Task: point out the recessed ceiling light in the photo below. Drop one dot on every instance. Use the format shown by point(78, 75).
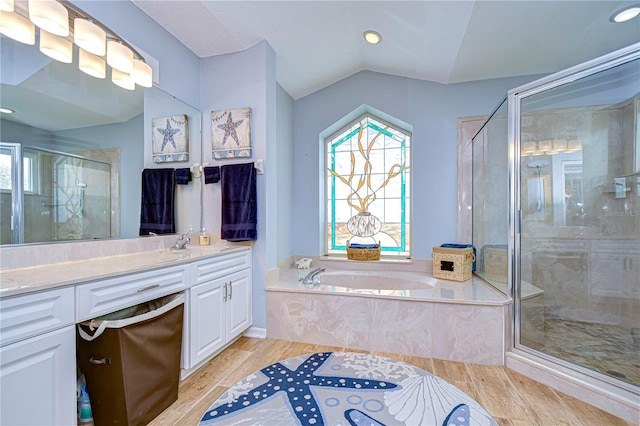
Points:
point(4, 110)
point(625, 14)
point(372, 37)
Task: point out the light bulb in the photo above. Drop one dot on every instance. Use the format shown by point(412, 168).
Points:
point(372, 37)
point(56, 47)
point(122, 79)
point(17, 27)
point(6, 5)
point(50, 16)
point(91, 64)
point(89, 36)
point(142, 73)
point(119, 56)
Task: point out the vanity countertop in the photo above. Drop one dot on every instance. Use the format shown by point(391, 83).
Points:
point(36, 278)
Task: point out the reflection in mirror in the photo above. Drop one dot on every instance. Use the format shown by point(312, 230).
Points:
point(74, 204)
point(58, 109)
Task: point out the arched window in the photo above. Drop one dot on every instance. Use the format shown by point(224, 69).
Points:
point(368, 186)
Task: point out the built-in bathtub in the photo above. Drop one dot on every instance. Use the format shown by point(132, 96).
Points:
point(390, 310)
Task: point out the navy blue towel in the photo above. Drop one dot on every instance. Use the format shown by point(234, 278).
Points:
point(183, 176)
point(363, 246)
point(157, 207)
point(239, 208)
point(211, 174)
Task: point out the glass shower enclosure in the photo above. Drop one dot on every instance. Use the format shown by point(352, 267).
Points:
point(52, 196)
point(556, 217)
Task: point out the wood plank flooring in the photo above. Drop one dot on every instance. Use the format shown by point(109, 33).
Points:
point(511, 398)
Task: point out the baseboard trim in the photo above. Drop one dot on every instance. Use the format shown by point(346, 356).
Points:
point(619, 402)
point(256, 332)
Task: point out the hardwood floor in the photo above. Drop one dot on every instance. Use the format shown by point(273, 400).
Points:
point(511, 398)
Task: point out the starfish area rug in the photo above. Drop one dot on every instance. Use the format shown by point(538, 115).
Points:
point(344, 388)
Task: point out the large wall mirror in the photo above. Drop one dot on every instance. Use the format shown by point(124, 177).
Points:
point(77, 145)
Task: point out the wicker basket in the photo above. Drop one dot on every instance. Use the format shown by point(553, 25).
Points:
point(363, 253)
point(452, 263)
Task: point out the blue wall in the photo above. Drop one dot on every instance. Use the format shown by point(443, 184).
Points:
point(431, 108)
point(285, 173)
point(238, 80)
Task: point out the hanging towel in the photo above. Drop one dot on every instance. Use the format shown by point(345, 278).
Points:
point(183, 176)
point(239, 210)
point(156, 212)
point(211, 174)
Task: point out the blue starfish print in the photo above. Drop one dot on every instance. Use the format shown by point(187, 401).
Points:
point(296, 385)
point(230, 129)
point(168, 134)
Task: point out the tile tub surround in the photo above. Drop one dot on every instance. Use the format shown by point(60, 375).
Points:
point(412, 314)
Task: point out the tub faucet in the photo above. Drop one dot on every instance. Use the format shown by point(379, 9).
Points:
point(181, 242)
point(308, 279)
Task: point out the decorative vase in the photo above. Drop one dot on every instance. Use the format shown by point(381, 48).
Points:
point(364, 224)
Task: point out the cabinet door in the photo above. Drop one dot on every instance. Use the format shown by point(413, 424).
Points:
point(38, 378)
point(207, 332)
point(238, 305)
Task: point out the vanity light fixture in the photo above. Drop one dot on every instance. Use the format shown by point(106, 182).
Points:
point(6, 5)
point(57, 36)
point(372, 37)
point(550, 147)
point(625, 14)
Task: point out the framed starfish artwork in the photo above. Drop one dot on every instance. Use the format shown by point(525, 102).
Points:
point(231, 133)
point(170, 138)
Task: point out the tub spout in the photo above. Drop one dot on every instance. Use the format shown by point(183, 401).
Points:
point(308, 279)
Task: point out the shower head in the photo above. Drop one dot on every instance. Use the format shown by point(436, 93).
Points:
point(538, 164)
point(82, 185)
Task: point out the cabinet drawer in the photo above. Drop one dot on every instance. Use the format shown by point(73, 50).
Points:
point(29, 315)
point(219, 266)
point(110, 295)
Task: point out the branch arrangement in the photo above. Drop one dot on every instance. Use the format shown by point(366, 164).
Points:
point(365, 200)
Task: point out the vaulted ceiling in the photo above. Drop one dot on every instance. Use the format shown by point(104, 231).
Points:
point(320, 42)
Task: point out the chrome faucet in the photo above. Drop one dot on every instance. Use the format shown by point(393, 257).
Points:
point(181, 242)
point(308, 279)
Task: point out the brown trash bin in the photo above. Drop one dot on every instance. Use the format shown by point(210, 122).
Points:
point(132, 365)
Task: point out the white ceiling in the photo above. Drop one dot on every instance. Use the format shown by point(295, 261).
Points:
point(320, 42)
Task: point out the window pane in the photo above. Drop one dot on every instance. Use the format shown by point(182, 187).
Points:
point(367, 161)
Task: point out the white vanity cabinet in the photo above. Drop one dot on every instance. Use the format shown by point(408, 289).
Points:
point(219, 307)
point(37, 359)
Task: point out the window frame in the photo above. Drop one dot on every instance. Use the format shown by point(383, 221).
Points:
point(405, 249)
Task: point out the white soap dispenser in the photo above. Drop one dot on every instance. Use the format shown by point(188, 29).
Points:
point(204, 237)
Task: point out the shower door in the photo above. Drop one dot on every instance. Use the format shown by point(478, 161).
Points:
point(578, 218)
point(11, 193)
point(52, 196)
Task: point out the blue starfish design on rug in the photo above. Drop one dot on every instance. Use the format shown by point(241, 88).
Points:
point(230, 129)
point(296, 384)
point(168, 134)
